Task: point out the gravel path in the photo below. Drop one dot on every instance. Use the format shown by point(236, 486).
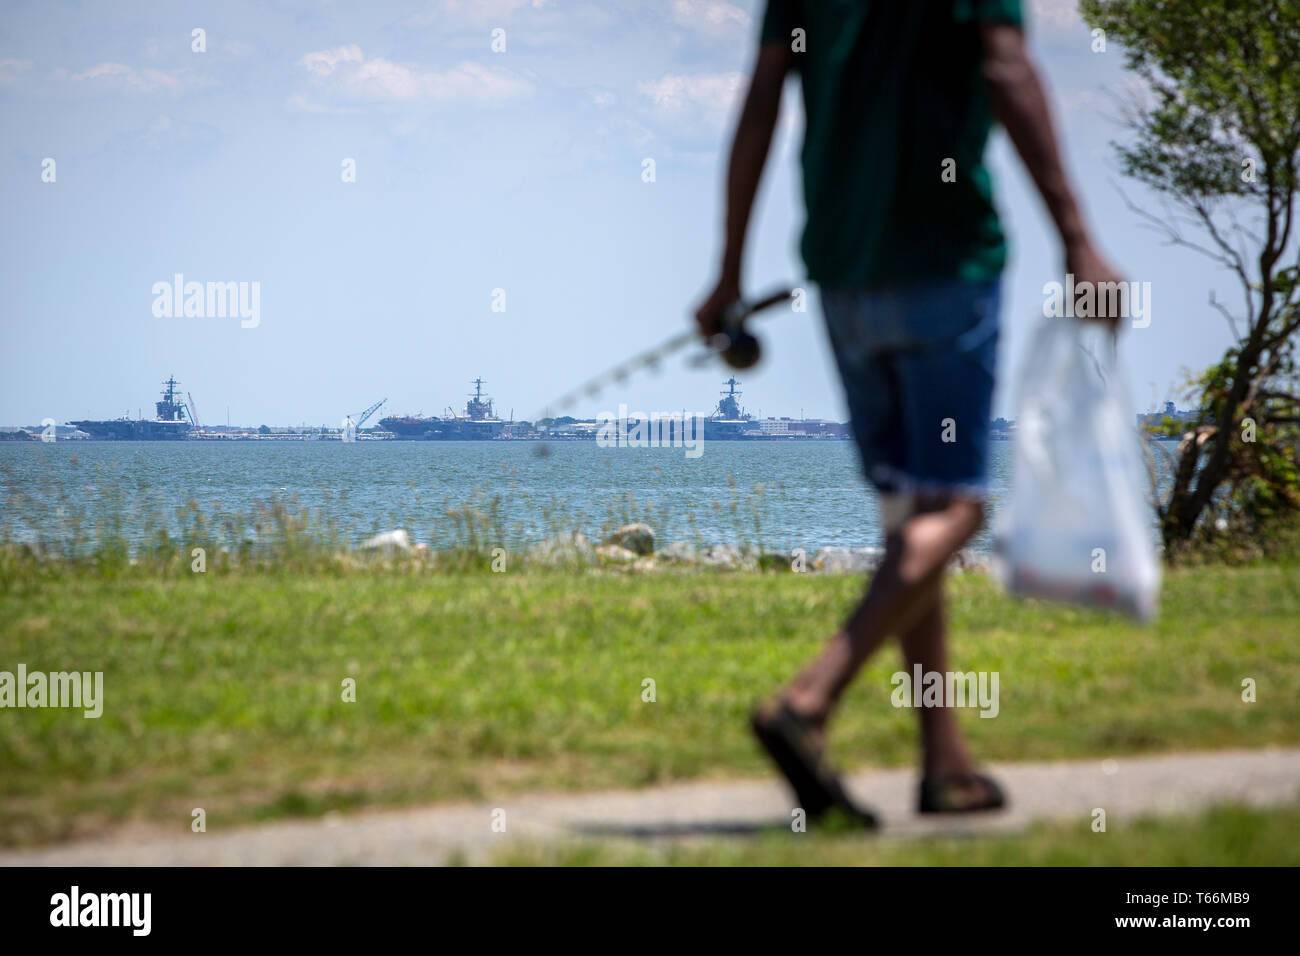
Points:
point(1124, 788)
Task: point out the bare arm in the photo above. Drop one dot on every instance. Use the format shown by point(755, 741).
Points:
point(1020, 105)
point(749, 151)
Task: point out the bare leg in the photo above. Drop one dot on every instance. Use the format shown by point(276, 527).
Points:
point(903, 599)
point(944, 752)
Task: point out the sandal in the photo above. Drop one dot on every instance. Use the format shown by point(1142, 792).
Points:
point(948, 794)
point(789, 741)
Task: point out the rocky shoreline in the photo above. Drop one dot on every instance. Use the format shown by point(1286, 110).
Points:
point(633, 548)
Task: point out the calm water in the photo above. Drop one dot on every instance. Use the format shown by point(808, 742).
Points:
point(804, 494)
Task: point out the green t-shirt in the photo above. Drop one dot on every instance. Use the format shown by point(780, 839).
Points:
point(892, 89)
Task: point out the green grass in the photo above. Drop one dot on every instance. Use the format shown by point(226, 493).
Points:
point(1223, 836)
point(223, 691)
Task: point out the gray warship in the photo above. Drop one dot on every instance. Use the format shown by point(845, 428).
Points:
point(171, 423)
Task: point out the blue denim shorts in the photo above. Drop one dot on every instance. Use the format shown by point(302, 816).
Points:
point(917, 362)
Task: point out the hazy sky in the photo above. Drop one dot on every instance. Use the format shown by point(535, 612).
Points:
point(475, 170)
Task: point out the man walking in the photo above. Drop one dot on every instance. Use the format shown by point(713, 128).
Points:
point(905, 245)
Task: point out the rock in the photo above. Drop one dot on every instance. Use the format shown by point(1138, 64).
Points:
point(847, 560)
point(722, 556)
point(638, 538)
point(968, 560)
point(31, 551)
point(646, 564)
point(569, 548)
point(679, 552)
point(614, 554)
point(388, 544)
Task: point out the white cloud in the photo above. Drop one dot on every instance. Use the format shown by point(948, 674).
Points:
point(301, 103)
point(120, 75)
point(1056, 18)
point(480, 11)
point(347, 72)
point(1111, 101)
point(711, 16)
point(163, 133)
point(1077, 101)
point(9, 69)
point(706, 98)
point(325, 62)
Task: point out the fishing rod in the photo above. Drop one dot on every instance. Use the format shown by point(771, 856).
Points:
point(737, 346)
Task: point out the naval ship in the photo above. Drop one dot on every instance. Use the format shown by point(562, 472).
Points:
point(729, 421)
point(478, 423)
point(172, 422)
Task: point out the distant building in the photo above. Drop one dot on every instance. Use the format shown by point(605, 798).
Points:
point(1156, 419)
point(819, 428)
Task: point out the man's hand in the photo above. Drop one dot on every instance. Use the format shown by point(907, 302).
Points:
point(709, 315)
point(1086, 264)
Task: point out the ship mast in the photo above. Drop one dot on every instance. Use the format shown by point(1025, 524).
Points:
point(478, 409)
point(729, 406)
point(170, 409)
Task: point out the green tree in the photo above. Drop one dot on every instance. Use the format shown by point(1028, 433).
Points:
point(1218, 136)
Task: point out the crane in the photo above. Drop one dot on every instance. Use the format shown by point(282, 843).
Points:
point(360, 418)
point(194, 414)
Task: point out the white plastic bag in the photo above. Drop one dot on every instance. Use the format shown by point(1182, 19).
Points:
point(1078, 526)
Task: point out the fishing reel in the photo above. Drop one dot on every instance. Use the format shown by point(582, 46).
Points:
point(738, 346)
